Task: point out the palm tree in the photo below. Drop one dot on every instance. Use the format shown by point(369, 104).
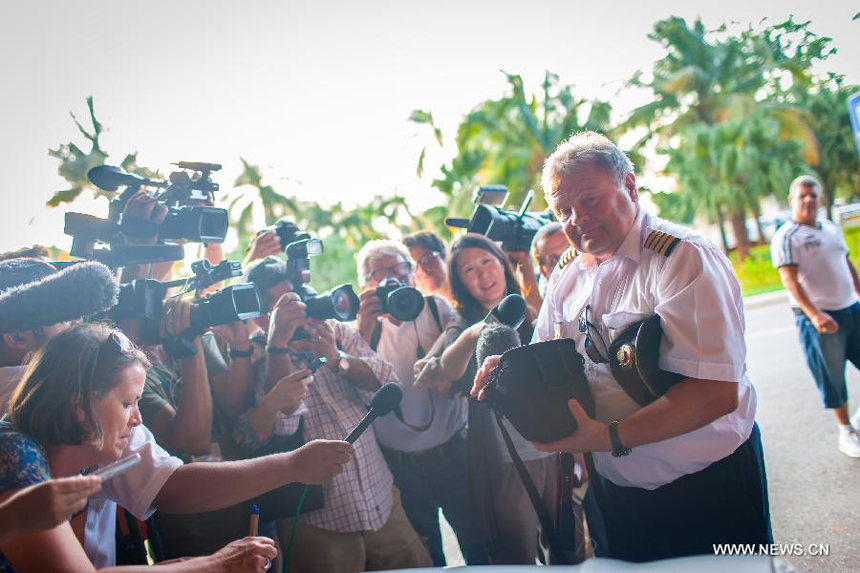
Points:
point(711, 78)
point(505, 141)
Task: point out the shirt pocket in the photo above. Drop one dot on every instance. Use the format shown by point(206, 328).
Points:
point(616, 322)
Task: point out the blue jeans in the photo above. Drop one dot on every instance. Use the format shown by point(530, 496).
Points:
point(826, 354)
point(438, 479)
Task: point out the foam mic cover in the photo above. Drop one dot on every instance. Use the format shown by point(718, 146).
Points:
point(511, 311)
point(71, 294)
point(384, 401)
point(495, 339)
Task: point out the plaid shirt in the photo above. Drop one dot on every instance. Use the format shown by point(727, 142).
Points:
point(359, 498)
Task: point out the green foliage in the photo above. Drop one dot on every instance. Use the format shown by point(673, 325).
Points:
point(505, 140)
point(75, 163)
point(718, 113)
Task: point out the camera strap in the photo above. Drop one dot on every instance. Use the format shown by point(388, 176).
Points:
point(556, 548)
point(374, 344)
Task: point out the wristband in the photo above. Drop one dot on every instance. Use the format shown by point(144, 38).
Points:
point(236, 353)
point(277, 350)
point(618, 449)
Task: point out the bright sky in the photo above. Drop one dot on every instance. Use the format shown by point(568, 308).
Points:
point(317, 93)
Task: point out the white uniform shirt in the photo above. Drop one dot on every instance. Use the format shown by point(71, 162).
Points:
point(697, 295)
point(134, 490)
point(819, 253)
point(398, 345)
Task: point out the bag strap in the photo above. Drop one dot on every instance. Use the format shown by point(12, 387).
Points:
point(376, 336)
point(555, 546)
point(434, 310)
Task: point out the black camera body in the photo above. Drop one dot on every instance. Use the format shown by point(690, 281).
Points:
point(404, 303)
point(340, 303)
point(514, 229)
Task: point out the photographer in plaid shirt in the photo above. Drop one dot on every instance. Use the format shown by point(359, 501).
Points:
point(363, 524)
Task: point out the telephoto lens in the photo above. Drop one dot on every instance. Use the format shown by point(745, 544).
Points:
point(402, 302)
point(340, 303)
point(230, 304)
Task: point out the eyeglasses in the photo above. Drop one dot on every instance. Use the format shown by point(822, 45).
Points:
point(400, 270)
point(427, 260)
point(595, 348)
point(115, 345)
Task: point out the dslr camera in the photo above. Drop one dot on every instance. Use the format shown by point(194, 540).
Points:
point(402, 302)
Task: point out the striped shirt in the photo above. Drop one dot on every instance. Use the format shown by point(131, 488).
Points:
point(359, 498)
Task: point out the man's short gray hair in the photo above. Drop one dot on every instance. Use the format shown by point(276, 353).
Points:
point(804, 180)
point(584, 148)
point(377, 249)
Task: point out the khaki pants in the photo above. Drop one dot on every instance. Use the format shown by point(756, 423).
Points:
point(516, 518)
point(394, 546)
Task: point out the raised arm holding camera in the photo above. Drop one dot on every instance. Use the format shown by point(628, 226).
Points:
point(361, 517)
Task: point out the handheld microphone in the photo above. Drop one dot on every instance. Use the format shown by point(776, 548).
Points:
point(384, 401)
point(511, 311)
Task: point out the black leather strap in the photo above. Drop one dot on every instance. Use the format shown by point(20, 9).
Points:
point(618, 449)
point(556, 548)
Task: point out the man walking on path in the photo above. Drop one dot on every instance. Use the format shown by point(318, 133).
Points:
point(822, 285)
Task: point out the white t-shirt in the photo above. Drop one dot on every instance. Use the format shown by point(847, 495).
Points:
point(134, 490)
point(819, 252)
point(398, 345)
point(697, 295)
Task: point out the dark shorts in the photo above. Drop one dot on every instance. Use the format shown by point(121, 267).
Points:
point(826, 354)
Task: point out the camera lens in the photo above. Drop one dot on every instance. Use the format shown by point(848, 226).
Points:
point(405, 303)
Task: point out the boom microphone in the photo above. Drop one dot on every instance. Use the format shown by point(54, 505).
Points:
point(71, 294)
point(384, 401)
point(511, 311)
point(109, 178)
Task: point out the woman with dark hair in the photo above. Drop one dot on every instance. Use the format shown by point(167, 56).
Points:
point(481, 277)
point(75, 409)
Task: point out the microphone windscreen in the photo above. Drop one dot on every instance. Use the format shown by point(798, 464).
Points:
point(106, 177)
point(495, 339)
point(386, 399)
point(73, 293)
point(511, 311)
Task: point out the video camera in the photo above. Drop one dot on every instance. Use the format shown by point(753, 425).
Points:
point(340, 303)
point(514, 229)
point(144, 299)
point(198, 223)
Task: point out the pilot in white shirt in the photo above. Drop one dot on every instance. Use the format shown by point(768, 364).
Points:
point(684, 469)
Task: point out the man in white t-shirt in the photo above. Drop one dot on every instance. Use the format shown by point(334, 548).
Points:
point(423, 440)
point(822, 285)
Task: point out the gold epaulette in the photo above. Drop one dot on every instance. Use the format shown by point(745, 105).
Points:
point(661, 242)
point(566, 257)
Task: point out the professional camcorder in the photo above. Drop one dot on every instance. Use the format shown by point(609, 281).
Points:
point(143, 299)
point(402, 302)
point(514, 229)
point(199, 223)
point(340, 303)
